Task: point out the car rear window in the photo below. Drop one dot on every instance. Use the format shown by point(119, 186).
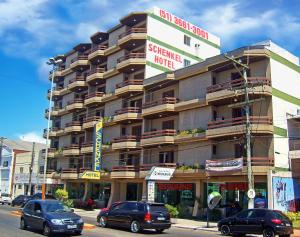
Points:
point(157, 208)
point(279, 215)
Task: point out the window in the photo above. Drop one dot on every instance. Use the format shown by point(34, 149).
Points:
point(214, 80)
point(244, 214)
point(186, 62)
point(166, 157)
point(168, 124)
point(258, 214)
point(5, 163)
point(19, 186)
point(130, 206)
point(214, 149)
point(37, 207)
point(168, 94)
point(136, 131)
point(21, 170)
point(187, 40)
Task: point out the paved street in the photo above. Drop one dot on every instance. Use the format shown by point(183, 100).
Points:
point(9, 227)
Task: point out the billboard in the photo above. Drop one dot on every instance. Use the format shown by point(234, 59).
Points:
point(286, 194)
point(98, 145)
point(225, 165)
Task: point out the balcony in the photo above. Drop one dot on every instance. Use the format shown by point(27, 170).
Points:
point(131, 62)
point(54, 112)
point(133, 38)
point(234, 126)
point(55, 93)
point(294, 145)
point(77, 84)
point(74, 126)
point(129, 87)
point(95, 76)
point(125, 171)
point(52, 152)
point(146, 167)
point(165, 136)
point(87, 148)
point(76, 104)
point(93, 98)
point(164, 106)
point(70, 173)
point(81, 61)
point(131, 114)
point(54, 132)
point(58, 74)
point(72, 150)
point(222, 93)
point(126, 142)
point(97, 52)
point(90, 122)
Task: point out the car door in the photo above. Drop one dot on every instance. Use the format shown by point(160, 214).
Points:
point(128, 213)
point(37, 216)
point(241, 222)
point(113, 215)
point(27, 214)
point(256, 221)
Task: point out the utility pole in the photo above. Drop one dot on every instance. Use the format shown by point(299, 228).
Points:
point(248, 125)
point(30, 169)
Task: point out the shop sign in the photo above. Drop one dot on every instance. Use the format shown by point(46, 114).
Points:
point(225, 165)
point(21, 178)
point(213, 199)
point(151, 191)
point(90, 175)
point(98, 145)
point(160, 173)
point(174, 186)
point(234, 186)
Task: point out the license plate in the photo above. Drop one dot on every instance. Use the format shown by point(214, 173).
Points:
point(287, 224)
point(161, 218)
point(71, 226)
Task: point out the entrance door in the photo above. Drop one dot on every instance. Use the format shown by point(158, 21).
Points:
point(131, 192)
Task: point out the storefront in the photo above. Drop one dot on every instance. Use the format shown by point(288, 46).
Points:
point(75, 190)
point(100, 193)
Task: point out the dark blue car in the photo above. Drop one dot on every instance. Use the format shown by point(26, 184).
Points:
point(50, 216)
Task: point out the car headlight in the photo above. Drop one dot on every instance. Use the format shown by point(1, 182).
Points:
point(80, 221)
point(57, 222)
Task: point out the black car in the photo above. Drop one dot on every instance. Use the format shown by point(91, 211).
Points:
point(136, 216)
point(257, 221)
point(50, 216)
point(20, 200)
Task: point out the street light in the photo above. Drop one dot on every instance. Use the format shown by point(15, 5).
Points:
point(54, 62)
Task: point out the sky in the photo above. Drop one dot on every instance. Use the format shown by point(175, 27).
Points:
point(33, 30)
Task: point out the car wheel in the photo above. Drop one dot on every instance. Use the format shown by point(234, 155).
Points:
point(225, 230)
point(159, 230)
point(46, 230)
point(78, 232)
point(268, 232)
point(102, 222)
point(135, 227)
point(23, 225)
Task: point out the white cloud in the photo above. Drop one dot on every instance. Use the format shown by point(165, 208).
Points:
point(43, 70)
point(32, 137)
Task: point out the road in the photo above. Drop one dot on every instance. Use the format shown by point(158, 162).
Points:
point(9, 227)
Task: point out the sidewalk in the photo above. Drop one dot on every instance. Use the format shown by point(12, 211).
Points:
point(86, 213)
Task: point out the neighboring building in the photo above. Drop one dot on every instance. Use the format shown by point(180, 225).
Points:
point(22, 170)
point(12, 151)
point(180, 118)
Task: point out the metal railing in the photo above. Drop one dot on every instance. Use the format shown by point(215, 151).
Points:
point(96, 70)
point(98, 47)
point(128, 110)
point(95, 94)
point(73, 123)
point(252, 81)
point(165, 100)
point(130, 82)
point(131, 55)
point(75, 101)
point(91, 119)
point(165, 132)
point(77, 78)
point(80, 57)
point(127, 138)
point(133, 30)
point(239, 121)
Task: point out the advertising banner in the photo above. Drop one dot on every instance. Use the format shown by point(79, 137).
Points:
point(215, 167)
point(151, 191)
point(160, 173)
point(98, 145)
point(22, 178)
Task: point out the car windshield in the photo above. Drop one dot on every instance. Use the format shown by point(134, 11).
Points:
point(55, 207)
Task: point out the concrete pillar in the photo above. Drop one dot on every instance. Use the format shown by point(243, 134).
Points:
point(86, 186)
point(114, 192)
point(198, 190)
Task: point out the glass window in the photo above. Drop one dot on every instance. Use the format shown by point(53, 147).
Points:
point(186, 62)
point(37, 207)
point(279, 215)
point(21, 170)
point(187, 40)
point(130, 206)
point(244, 214)
point(141, 207)
point(5, 163)
point(258, 214)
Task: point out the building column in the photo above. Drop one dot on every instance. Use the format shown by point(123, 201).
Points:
point(114, 193)
point(198, 190)
point(86, 186)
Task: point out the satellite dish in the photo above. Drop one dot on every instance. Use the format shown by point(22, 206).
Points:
point(213, 199)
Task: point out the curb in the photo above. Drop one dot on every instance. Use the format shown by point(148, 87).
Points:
point(197, 228)
point(15, 213)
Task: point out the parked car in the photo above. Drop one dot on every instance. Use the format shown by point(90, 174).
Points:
point(136, 216)
point(257, 221)
point(5, 199)
point(20, 200)
point(50, 216)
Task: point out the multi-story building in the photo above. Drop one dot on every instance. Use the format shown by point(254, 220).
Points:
point(105, 78)
point(165, 112)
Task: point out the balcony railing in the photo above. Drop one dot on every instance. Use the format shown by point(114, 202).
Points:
point(98, 47)
point(145, 167)
point(294, 144)
point(127, 138)
point(58, 88)
point(96, 70)
point(75, 101)
point(260, 161)
point(130, 82)
point(77, 78)
point(133, 30)
point(73, 146)
point(252, 81)
point(95, 94)
point(166, 100)
point(126, 168)
point(80, 57)
point(87, 144)
point(73, 123)
point(239, 121)
point(128, 110)
point(165, 132)
point(131, 56)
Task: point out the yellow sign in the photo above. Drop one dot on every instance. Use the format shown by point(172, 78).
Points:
point(90, 175)
point(98, 145)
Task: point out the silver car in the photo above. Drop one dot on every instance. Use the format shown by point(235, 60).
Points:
point(5, 199)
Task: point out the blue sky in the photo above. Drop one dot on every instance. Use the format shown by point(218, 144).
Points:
point(33, 30)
